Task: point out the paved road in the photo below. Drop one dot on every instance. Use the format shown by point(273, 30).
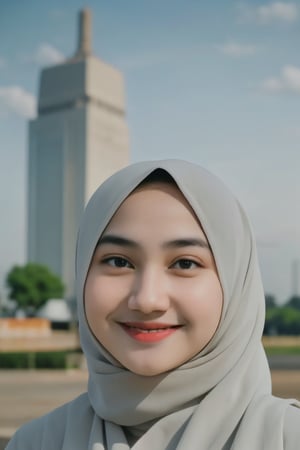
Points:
point(284, 362)
point(25, 395)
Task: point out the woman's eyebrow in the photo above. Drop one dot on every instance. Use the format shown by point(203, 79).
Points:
point(175, 243)
point(117, 240)
point(187, 242)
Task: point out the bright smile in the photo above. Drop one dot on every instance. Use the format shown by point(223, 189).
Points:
point(148, 332)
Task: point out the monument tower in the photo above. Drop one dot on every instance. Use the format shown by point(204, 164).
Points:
point(78, 139)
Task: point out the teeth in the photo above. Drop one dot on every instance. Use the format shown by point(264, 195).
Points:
point(142, 330)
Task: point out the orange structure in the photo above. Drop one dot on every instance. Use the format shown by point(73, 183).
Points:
point(24, 327)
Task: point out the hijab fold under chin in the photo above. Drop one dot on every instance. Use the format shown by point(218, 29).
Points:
point(220, 399)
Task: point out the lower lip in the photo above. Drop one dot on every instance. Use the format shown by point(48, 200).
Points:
point(149, 336)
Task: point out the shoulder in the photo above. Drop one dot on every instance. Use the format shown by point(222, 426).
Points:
point(48, 432)
point(291, 427)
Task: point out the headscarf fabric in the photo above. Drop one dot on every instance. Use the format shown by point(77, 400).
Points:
point(222, 397)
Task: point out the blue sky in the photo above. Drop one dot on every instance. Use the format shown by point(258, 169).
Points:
point(217, 83)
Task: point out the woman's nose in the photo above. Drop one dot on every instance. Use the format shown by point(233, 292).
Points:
point(149, 292)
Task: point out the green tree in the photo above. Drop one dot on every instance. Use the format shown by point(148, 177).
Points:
point(272, 321)
point(294, 302)
point(270, 301)
point(289, 323)
point(282, 320)
point(30, 286)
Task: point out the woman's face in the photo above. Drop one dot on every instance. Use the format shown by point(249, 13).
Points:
point(153, 298)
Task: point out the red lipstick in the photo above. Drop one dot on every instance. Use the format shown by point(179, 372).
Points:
point(149, 331)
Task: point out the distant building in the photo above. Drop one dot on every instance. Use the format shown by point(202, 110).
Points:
point(79, 138)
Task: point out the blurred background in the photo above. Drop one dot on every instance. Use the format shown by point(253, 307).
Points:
point(216, 83)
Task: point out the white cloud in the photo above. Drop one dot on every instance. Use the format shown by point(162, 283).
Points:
point(268, 13)
point(277, 11)
point(18, 100)
point(291, 78)
point(272, 85)
point(287, 81)
point(237, 50)
point(46, 54)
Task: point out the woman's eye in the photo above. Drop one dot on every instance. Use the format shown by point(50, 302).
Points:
point(185, 264)
point(117, 261)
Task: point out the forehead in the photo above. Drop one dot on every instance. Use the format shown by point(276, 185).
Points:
point(155, 204)
point(161, 189)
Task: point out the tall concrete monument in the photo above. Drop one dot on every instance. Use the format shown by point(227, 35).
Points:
point(78, 139)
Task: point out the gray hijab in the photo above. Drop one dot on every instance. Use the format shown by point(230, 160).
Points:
point(222, 397)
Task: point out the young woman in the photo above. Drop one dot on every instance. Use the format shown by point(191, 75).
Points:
point(171, 313)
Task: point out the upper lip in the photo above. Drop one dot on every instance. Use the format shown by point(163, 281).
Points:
point(149, 325)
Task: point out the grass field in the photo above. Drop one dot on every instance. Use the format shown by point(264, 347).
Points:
point(282, 345)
